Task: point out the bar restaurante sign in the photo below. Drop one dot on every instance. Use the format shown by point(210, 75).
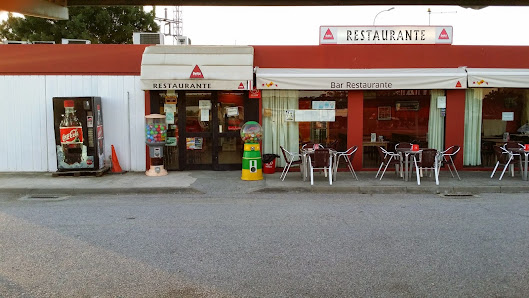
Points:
point(386, 35)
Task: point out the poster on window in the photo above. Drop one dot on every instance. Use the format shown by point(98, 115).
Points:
point(384, 113)
point(289, 115)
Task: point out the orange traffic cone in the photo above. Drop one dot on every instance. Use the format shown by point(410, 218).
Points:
point(116, 168)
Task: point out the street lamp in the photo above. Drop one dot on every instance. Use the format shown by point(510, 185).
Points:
point(380, 13)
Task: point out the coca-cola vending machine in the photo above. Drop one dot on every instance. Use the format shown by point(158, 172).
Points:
point(79, 135)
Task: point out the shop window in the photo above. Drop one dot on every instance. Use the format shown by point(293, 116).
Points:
point(329, 132)
point(505, 116)
point(394, 116)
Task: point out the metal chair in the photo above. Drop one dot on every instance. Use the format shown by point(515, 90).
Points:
point(348, 156)
point(448, 157)
point(504, 157)
point(429, 160)
point(290, 159)
point(388, 158)
point(320, 160)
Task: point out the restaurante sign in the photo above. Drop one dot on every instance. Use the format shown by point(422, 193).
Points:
point(386, 35)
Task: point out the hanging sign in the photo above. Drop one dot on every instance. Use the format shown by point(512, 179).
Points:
point(254, 93)
point(386, 35)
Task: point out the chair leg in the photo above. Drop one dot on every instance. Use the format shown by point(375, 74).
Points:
point(386, 167)
point(505, 168)
point(417, 170)
point(285, 171)
point(311, 176)
point(455, 170)
point(351, 169)
point(381, 165)
point(494, 171)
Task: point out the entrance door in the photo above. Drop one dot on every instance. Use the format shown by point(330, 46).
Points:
point(209, 126)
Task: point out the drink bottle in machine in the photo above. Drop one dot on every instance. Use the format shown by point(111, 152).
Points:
point(79, 135)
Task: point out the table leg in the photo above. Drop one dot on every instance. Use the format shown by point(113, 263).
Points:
point(330, 169)
point(436, 169)
point(406, 175)
point(525, 166)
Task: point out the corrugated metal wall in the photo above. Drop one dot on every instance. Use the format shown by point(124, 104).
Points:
point(26, 118)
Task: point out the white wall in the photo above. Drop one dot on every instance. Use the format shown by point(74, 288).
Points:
point(26, 119)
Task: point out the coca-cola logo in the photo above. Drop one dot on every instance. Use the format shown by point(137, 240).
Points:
point(72, 135)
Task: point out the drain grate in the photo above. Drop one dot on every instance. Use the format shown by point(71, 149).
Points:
point(44, 197)
point(458, 195)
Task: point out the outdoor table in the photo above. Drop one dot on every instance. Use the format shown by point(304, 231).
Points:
point(525, 163)
point(404, 155)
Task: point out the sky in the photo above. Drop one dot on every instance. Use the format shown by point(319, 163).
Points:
point(300, 25)
point(272, 25)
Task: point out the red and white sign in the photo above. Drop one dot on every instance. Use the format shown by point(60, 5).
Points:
point(241, 86)
point(196, 73)
point(254, 93)
point(328, 35)
point(386, 35)
point(71, 135)
point(444, 35)
point(99, 132)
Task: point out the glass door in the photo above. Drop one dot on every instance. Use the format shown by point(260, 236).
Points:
point(196, 140)
point(230, 112)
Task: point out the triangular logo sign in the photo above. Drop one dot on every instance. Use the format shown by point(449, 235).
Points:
point(444, 35)
point(458, 85)
point(328, 35)
point(196, 73)
point(241, 86)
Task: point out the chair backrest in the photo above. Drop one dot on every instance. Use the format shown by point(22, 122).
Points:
point(382, 153)
point(287, 155)
point(311, 145)
point(403, 145)
point(428, 158)
point(351, 151)
point(501, 154)
point(512, 144)
point(321, 158)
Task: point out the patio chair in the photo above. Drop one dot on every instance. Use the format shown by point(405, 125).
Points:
point(290, 159)
point(448, 157)
point(429, 160)
point(320, 160)
point(348, 156)
point(388, 158)
point(504, 157)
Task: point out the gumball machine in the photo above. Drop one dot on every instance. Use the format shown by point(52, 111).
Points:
point(251, 135)
point(155, 135)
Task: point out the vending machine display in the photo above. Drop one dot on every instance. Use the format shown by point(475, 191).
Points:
point(79, 137)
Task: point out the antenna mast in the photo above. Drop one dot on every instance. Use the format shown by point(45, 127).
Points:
point(172, 26)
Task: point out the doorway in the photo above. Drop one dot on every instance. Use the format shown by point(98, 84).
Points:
point(205, 129)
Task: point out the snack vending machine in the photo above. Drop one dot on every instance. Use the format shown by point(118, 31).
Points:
point(79, 137)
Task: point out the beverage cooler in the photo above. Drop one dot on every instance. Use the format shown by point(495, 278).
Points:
point(78, 123)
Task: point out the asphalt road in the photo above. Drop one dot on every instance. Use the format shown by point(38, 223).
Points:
point(265, 245)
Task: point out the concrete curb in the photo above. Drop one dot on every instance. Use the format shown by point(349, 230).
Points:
point(99, 191)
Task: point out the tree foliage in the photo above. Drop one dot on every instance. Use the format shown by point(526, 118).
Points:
point(110, 24)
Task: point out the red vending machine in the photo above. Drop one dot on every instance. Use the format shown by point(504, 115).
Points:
point(79, 135)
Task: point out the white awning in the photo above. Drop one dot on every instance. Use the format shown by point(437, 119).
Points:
point(197, 67)
point(361, 79)
point(498, 78)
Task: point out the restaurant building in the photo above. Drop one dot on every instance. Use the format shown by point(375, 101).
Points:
point(368, 95)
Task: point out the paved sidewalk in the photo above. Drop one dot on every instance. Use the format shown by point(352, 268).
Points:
point(212, 182)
